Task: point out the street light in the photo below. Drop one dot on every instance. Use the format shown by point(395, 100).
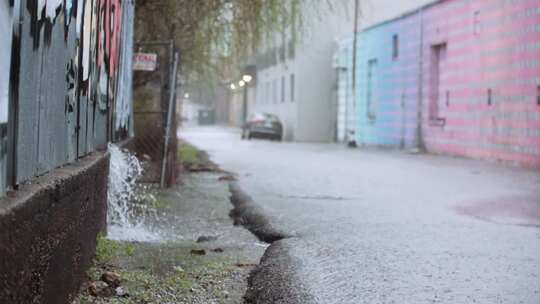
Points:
point(242, 83)
point(247, 78)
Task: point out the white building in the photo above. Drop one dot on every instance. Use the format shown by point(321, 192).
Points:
point(295, 74)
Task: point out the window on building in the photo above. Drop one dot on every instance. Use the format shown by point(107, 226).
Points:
point(538, 95)
point(267, 99)
point(291, 49)
point(274, 91)
point(395, 47)
point(438, 59)
point(270, 91)
point(476, 23)
point(260, 89)
point(371, 91)
point(282, 88)
point(266, 92)
point(274, 54)
point(291, 86)
point(263, 92)
point(257, 96)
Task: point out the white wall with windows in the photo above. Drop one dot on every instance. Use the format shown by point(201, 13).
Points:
point(295, 74)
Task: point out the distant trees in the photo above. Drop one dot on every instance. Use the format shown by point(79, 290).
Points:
point(213, 35)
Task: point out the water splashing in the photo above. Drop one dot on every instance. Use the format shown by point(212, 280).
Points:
point(127, 211)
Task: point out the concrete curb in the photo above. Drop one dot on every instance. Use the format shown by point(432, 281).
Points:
point(274, 280)
point(48, 231)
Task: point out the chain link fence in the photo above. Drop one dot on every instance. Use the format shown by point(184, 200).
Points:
point(155, 142)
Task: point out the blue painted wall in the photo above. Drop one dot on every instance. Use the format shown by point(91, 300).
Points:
point(392, 120)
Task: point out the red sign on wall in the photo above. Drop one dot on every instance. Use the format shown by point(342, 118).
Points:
point(144, 62)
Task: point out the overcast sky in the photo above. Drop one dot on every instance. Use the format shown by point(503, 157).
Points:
point(374, 11)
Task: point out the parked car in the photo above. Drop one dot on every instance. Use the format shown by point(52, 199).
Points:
point(263, 125)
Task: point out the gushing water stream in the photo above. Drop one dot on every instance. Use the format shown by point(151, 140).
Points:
point(126, 217)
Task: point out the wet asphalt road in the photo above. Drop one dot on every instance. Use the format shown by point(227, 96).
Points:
point(375, 226)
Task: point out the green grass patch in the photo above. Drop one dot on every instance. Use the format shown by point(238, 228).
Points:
point(165, 273)
point(107, 250)
point(188, 154)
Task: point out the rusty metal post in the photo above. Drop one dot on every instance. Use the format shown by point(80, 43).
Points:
point(172, 92)
point(351, 134)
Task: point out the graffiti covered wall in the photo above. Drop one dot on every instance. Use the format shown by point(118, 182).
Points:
point(63, 74)
point(71, 92)
point(123, 105)
point(6, 29)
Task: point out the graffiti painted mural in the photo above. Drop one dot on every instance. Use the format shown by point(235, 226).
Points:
point(123, 109)
point(5, 52)
point(6, 29)
point(71, 68)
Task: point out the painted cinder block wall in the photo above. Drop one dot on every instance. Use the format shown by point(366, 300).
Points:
point(480, 81)
point(488, 105)
point(387, 83)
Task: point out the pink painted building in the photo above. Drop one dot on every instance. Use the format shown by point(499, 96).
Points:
point(476, 64)
point(481, 79)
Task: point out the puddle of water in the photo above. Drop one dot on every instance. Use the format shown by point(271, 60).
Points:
point(127, 214)
point(520, 211)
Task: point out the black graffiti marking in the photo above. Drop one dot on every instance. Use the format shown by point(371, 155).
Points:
point(39, 22)
point(99, 85)
point(69, 16)
point(36, 23)
point(70, 80)
point(3, 139)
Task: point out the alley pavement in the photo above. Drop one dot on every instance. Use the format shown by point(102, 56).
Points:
point(381, 226)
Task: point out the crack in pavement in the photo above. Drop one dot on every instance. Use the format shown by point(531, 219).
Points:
point(249, 215)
